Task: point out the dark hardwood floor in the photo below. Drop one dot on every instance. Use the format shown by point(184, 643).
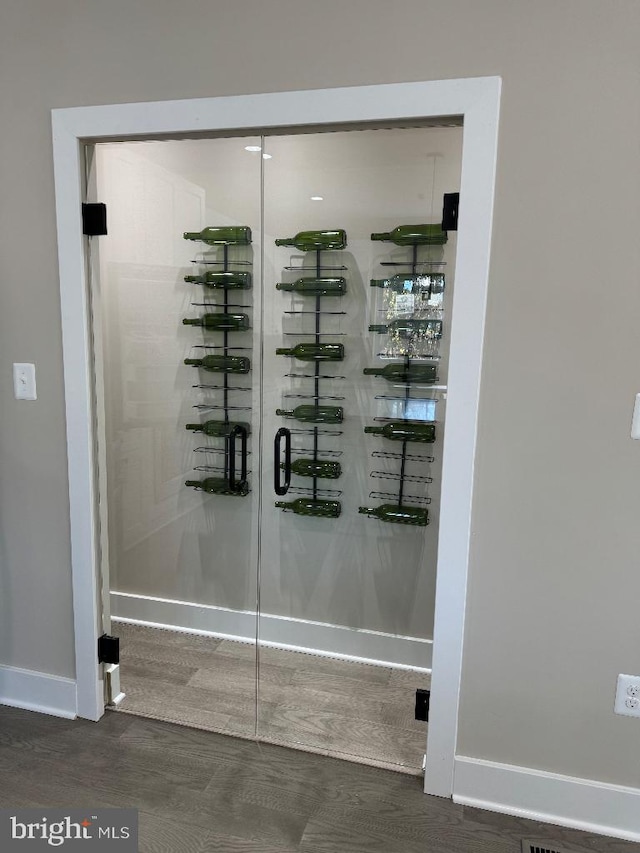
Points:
point(200, 792)
point(340, 708)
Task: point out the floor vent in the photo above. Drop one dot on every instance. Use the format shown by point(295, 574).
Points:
point(529, 846)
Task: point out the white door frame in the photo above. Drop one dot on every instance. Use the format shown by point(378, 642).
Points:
point(477, 100)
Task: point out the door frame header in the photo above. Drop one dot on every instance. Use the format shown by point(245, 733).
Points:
point(477, 101)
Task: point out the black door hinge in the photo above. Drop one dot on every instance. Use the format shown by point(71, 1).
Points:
point(108, 649)
point(450, 206)
point(422, 704)
point(94, 219)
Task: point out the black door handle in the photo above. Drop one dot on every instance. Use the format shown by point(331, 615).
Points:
point(278, 487)
point(235, 432)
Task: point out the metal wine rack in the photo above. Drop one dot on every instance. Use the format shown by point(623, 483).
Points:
point(407, 399)
point(315, 432)
point(227, 468)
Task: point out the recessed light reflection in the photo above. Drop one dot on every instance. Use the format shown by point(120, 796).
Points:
point(317, 198)
point(253, 148)
point(267, 156)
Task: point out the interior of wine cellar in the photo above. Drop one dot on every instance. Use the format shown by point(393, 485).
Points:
point(271, 326)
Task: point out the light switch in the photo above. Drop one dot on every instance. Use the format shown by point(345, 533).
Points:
point(24, 381)
point(635, 420)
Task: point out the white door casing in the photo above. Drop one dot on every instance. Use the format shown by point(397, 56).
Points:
point(477, 101)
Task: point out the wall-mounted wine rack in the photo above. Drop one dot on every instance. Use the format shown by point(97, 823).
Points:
point(316, 500)
point(229, 475)
point(413, 308)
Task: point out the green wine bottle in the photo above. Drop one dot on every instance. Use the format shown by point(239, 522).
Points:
point(397, 514)
point(311, 506)
point(219, 279)
point(221, 322)
point(219, 486)
point(405, 431)
point(309, 241)
point(315, 286)
point(314, 414)
point(411, 283)
point(220, 235)
point(413, 235)
point(425, 373)
point(407, 327)
point(219, 428)
point(314, 352)
point(315, 468)
point(222, 363)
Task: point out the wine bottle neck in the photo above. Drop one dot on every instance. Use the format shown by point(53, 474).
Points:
point(187, 322)
point(283, 504)
point(377, 328)
point(192, 483)
point(374, 430)
point(283, 413)
point(194, 427)
point(285, 241)
point(196, 361)
point(284, 351)
point(191, 235)
point(382, 235)
point(372, 371)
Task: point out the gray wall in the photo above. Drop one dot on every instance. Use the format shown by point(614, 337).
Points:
point(554, 583)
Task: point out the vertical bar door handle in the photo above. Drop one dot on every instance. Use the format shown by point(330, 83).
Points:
point(235, 432)
point(279, 487)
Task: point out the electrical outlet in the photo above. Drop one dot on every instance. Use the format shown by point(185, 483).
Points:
point(628, 696)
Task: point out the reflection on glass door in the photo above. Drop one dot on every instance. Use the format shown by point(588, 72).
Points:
point(355, 365)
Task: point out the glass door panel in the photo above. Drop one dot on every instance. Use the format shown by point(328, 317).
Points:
point(347, 599)
point(278, 538)
point(182, 559)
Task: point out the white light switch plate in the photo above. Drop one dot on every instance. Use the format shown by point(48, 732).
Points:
point(24, 381)
point(635, 420)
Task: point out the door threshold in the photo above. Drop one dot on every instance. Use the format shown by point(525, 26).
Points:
point(346, 756)
point(299, 747)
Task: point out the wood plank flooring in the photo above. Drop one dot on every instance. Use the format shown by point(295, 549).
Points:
point(348, 710)
point(200, 792)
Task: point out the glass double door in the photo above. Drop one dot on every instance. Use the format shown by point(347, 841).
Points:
point(270, 569)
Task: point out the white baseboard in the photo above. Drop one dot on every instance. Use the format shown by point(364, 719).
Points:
point(584, 804)
point(35, 691)
point(317, 638)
